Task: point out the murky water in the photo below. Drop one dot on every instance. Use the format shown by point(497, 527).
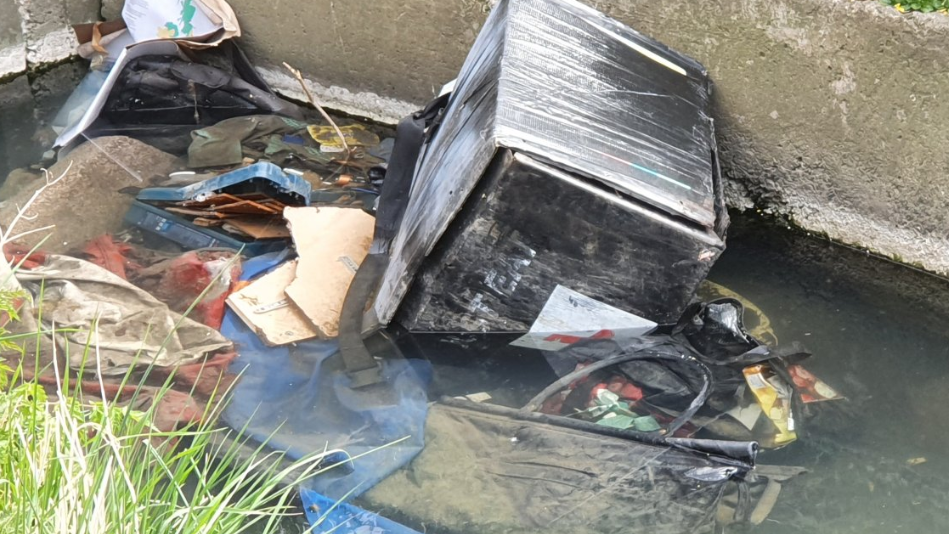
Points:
point(876, 461)
point(28, 104)
point(877, 332)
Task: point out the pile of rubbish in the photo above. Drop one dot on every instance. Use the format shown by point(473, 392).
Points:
point(207, 229)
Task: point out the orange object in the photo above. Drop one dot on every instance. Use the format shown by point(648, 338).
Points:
point(105, 252)
point(15, 254)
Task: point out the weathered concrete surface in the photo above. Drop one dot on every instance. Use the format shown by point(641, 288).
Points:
point(94, 174)
point(354, 48)
point(828, 110)
point(46, 27)
point(12, 47)
point(35, 33)
point(111, 9)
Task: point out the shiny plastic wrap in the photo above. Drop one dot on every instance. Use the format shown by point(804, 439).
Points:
point(566, 86)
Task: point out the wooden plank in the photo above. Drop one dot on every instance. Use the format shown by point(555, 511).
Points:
point(223, 198)
point(259, 228)
point(246, 207)
point(198, 213)
point(201, 221)
point(331, 243)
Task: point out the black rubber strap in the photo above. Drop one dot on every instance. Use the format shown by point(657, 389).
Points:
point(411, 134)
point(394, 198)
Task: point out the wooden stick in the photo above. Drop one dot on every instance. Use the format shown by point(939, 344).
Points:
point(322, 111)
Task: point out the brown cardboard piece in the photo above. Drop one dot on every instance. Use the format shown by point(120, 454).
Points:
point(331, 242)
point(264, 307)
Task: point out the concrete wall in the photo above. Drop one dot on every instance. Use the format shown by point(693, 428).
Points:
point(44, 26)
point(36, 44)
point(12, 47)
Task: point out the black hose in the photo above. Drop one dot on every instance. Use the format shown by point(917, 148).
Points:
point(739, 454)
point(677, 423)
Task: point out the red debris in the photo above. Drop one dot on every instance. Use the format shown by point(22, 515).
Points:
point(15, 254)
point(179, 282)
point(205, 378)
point(105, 252)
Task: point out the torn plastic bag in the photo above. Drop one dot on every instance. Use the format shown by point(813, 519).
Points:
point(717, 331)
point(299, 399)
point(711, 333)
point(131, 326)
point(168, 90)
point(490, 469)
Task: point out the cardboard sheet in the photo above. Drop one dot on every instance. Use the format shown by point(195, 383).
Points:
point(332, 243)
point(265, 308)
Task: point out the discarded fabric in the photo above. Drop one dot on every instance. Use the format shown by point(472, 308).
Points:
point(121, 325)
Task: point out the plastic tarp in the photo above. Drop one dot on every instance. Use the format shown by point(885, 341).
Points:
point(327, 515)
point(131, 327)
point(555, 467)
point(298, 398)
point(489, 472)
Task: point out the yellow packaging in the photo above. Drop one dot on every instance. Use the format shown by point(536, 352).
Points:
point(774, 397)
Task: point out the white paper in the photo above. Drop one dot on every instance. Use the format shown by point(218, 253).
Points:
point(166, 19)
point(568, 317)
point(746, 415)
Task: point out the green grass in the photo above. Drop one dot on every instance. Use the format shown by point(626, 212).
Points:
point(94, 467)
point(924, 6)
point(75, 465)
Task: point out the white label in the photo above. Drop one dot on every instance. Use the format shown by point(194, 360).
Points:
point(348, 262)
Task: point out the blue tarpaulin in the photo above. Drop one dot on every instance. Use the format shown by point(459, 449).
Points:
point(326, 516)
point(299, 397)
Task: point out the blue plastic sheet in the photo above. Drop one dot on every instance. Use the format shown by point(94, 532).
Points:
point(326, 516)
point(298, 397)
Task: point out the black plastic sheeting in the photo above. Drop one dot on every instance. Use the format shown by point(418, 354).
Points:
point(490, 470)
point(161, 99)
point(487, 468)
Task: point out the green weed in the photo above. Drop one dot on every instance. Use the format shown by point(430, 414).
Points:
point(924, 6)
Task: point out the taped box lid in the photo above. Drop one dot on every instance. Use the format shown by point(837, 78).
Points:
point(596, 98)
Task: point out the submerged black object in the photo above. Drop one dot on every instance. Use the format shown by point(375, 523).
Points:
point(550, 468)
point(622, 358)
point(159, 99)
point(216, 85)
